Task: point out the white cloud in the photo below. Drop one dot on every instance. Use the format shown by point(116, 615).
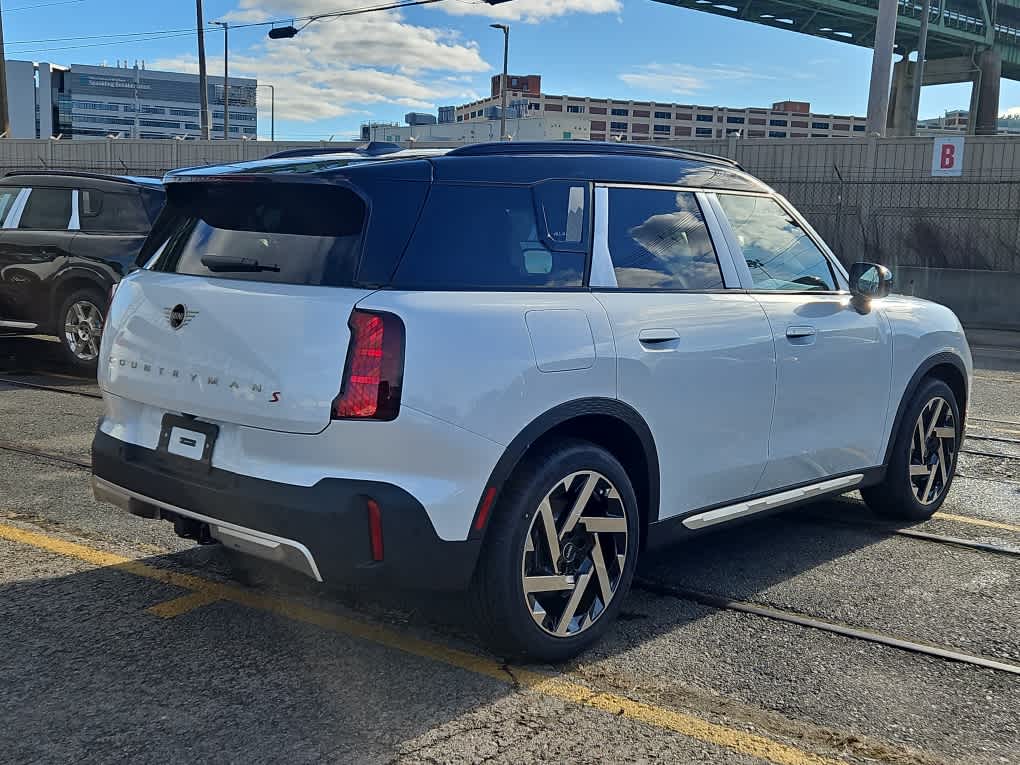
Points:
point(687, 79)
point(530, 11)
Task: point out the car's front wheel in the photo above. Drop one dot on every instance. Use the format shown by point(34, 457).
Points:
point(80, 327)
point(559, 555)
point(924, 454)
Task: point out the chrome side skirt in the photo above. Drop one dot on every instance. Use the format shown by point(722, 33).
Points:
point(286, 552)
point(17, 324)
point(751, 506)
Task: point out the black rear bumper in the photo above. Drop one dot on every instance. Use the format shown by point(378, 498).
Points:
point(330, 518)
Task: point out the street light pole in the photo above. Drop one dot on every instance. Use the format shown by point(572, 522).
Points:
point(502, 82)
point(226, 82)
point(203, 81)
point(5, 117)
point(272, 109)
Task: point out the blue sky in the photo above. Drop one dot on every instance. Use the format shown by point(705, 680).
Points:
point(337, 74)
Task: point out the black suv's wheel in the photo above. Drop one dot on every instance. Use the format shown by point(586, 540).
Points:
point(80, 327)
point(559, 555)
point(923, 460)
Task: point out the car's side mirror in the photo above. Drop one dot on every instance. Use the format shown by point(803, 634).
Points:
point(869, 281)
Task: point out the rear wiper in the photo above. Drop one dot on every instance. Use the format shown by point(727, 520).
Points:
point(227, 263)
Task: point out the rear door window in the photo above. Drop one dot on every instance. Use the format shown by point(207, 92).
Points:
point(499, 237)
point(8, 196)
point(658, 240)
point(301, 233)
point(102, 212)
point(47, 210)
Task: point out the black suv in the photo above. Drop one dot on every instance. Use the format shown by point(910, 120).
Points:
point(65, 240)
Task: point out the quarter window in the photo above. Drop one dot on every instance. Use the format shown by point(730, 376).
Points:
point(779, 253)
point(658, 240)
point(47, 210)
point(7, 197)
point(101, 212)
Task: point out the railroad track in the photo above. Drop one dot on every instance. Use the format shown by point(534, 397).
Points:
point(723, 602)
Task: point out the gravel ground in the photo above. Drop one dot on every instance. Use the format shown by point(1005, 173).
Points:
point(87, 673)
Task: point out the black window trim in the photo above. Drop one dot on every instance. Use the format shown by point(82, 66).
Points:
point(835, 267)
point(700, 197)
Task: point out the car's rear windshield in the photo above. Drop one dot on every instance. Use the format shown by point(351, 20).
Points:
point(289, 233)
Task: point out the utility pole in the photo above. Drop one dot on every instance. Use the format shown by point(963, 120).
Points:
point(881, 68)
point(502, 83)
point(226, 85)
point(203, 81)
point(922, 45)
point(5, 117)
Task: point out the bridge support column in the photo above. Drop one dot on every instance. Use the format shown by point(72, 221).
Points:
point(985, 116)
point(901, 99)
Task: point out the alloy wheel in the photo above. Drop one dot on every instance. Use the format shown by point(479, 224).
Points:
point(932, 451)
point(83, 328)
point(575, 554)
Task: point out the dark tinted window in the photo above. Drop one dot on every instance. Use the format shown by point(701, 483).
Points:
point(47, 210)
point(778, 251)
point(271, 232)
point(658, 239)
point(101, 212)
point(493, 237)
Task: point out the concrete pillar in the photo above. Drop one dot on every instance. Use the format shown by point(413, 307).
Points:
point(881, 62)
point(901, 99)
point(985, 117)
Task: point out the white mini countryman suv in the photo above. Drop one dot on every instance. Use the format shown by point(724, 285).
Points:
point(509, 370)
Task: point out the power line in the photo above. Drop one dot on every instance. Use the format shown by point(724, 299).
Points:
point(42, 5)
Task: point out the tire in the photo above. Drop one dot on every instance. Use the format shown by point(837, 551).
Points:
point(523, 625)
point(82, 312)
point(906, 492)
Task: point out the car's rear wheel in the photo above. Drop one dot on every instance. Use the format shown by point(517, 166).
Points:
point(923, 461)
point(80, 327)
point(559, 555)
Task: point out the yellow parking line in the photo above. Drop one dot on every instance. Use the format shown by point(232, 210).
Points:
point(182, 605)
point(549, 685)
point(977, 521)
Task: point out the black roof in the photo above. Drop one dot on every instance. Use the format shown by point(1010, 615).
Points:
point(53, 178)
point(585, 147)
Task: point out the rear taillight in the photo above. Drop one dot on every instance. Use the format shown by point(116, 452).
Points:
point(375, 368)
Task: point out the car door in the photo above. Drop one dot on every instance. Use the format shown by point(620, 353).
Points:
point(113, 226)
point(35, 243)
point(695, 353)
point(835, 360)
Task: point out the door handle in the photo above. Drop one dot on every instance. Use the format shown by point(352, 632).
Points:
point(794, 332)
point(658, 336)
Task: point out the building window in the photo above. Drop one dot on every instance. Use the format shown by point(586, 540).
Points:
point(554, 107)
point(515, 82)
point(618, 126)
point(685, 117)
point(858, 128)
point(663, 115)
point(598, 136)
point(819, 135)
point(756, 134)
point(597, 110)
point(798, 123)
point(662, 129)
point(777, 134)
point(460, 118)
point(619, 112)
point(573, 109)
point(160, 124)
point(639, 127)
point(844, 128)
point(758, 121)
point(819, 125)
point(735, 120)
point(184, 112)
point(704, 132)
point(96, 106)
point(704, 118)
point(777, 123)
point(678, 130)
point(641, 113)
point(599, 125)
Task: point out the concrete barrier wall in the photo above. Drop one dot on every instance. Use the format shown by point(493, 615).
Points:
point(954, 240)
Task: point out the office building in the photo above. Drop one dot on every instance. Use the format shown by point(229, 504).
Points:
point(958, 121)
point(560, 127)
point(651, 120)
point(81, 101)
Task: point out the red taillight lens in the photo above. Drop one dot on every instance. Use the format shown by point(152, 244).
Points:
point(375, 368)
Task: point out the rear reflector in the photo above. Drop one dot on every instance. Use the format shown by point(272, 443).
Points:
point(375, 368)
point(483, 510)
point(375, 537)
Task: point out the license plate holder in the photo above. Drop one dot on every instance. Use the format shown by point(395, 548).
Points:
point(188, 438)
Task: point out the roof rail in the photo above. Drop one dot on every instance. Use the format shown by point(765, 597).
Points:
point(371, 149)
point(586, 147)
point(133, 180)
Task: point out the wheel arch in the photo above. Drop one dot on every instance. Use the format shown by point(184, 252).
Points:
point(945, 366)
point(609, 423)
point(73, 280)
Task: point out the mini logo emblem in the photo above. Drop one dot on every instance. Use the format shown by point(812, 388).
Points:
point(179, 315)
